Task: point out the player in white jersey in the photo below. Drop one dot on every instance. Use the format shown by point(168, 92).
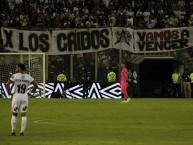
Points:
point(21, 82)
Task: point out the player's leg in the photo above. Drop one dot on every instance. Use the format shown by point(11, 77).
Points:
point(15, 110)
point(23, 110)
point(124, 92)
point(23, 123)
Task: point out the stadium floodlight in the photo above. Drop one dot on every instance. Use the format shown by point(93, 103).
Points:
point(35, 66)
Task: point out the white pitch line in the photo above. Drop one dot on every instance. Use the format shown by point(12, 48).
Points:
point(47, 122)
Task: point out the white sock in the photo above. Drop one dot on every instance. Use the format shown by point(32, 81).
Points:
point(23, 123)
point(13, 123)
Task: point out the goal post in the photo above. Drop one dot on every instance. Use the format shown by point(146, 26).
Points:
point(35, 66)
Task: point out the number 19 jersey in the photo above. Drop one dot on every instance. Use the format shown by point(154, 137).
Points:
point(21, 82)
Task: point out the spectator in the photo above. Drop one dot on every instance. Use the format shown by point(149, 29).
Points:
point(24, 19)
point(190, 21)
point(173, 21)
point(34, 17)
point(181, 4)
point(89, 23)
point(4, 19)
point(81, 13)
point(146, 15)
point(129, 21)
point(151, 23)
point(112, 19)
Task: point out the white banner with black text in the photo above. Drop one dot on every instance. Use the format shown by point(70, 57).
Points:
point(73, 41)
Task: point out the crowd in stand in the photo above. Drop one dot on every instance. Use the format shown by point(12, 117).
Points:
point(96, 13)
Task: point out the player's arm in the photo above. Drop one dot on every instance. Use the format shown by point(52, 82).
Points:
point(8, 87)
point(35, 86)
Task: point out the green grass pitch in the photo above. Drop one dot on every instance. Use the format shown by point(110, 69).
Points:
point(102, 122)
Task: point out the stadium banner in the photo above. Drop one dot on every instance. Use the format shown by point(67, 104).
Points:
point(56, 42)
point(122, 38)
point(163, 40)
point(71, 90)
point(74, 41)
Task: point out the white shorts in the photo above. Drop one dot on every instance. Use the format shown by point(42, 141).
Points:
point(19, 106)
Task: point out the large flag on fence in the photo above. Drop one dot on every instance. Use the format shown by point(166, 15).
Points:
point(73, 41)
point(163, 40)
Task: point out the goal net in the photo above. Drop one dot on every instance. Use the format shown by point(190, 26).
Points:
point(35, 66)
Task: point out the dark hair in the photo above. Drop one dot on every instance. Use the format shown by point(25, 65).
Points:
point(122, 62)
point(21, 66)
